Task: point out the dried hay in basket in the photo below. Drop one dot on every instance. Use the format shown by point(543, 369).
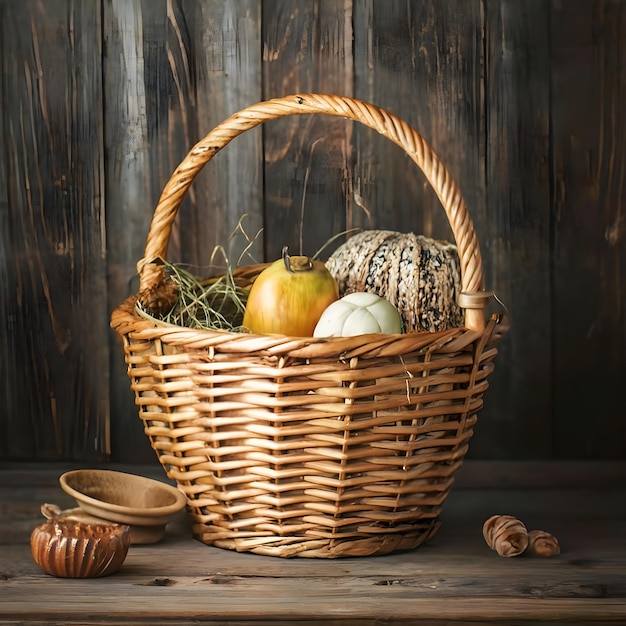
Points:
point(292, 446)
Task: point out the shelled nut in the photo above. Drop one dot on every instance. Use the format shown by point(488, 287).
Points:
point(542, 543)
point(506, 535)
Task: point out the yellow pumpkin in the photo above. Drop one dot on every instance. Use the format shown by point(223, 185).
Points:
point(289, 297)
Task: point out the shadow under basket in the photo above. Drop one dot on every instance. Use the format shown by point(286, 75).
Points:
point(301, 446)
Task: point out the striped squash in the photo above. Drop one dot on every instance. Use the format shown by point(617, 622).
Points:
point(419, 275)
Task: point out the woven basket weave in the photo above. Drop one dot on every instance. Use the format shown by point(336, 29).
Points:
point(291, 446)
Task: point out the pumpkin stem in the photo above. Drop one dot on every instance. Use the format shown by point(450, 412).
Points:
point(296, 263)
point(50, 511)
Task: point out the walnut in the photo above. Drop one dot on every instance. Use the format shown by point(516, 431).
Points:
point(542, 543)
point(506, 535)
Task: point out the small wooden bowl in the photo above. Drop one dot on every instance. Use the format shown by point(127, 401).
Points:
point(146, 505)
point(68, 547)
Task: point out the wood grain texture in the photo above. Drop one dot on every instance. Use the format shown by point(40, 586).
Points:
point(132, 185)
point(454, 579)
point(226, 50)
point(54, 364)
point(400, 63)
point(515, 226)
point(589, 275)
point(523, 100)
point(307, 47)
point(7, 277)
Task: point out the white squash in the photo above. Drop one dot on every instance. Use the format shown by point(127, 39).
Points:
point(358, 314)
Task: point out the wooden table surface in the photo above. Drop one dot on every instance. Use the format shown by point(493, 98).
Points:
point(454, 579)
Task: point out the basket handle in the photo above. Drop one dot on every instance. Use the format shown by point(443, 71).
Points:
point(472, 298)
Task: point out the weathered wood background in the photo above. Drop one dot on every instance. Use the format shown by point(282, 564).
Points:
point(524, 100)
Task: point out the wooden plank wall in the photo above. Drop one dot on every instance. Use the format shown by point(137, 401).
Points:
point(524, 100)
point(55, 361)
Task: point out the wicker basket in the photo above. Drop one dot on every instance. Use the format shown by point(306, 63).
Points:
point(290, 446)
